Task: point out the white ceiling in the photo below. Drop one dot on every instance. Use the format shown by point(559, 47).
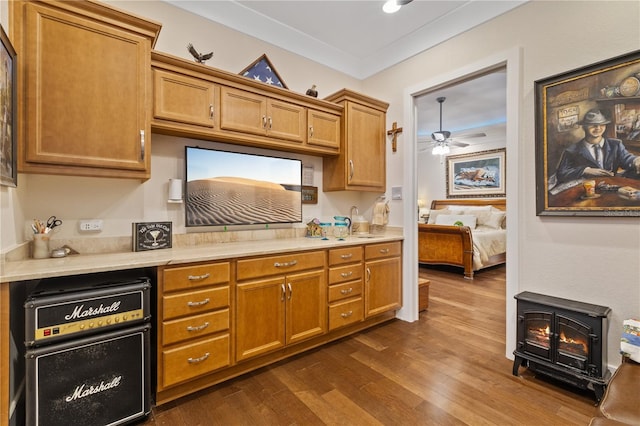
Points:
point(354, 37)
point(359, 39)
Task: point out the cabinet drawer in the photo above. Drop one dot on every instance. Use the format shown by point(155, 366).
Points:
point(189, 361)
point(196, 276)
point(345, 255)
point(375, 251)
point(346, 290)
point(345, 313)
point(194, 302)
point(283, 264)
point(345, 273)
point(194, 326)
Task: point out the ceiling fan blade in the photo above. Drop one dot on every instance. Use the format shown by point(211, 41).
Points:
point(470, 135)
point(453, 142)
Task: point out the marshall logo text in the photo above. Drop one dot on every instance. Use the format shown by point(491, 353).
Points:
point(83, 391)
point(78, 311)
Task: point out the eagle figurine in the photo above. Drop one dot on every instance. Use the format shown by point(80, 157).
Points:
point(199, 57)
point(312, 91)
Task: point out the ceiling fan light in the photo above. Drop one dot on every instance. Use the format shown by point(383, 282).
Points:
point(391, 6)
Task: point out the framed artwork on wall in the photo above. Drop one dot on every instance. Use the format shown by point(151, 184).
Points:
point(477, 174)
point(262, 70)
point(8, 153)
point(588, 140)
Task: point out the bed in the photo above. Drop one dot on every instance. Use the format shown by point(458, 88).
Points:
point(469, 233)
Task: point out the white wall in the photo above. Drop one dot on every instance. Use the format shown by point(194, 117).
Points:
point(595, 260)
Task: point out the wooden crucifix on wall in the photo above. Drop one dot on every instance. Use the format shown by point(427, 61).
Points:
point(395, 130)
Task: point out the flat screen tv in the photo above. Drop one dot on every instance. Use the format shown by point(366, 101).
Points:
point(231, 188)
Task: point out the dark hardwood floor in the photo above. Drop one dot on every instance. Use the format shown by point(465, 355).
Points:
point(448, 368)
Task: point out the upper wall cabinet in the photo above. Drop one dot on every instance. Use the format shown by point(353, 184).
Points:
point(85, 88)
point(361, 165)
point(201, 102)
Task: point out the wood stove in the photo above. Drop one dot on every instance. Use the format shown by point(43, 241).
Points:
point(563, 339)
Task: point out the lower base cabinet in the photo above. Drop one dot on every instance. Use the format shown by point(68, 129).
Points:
point(221, 319)
point(281, 310)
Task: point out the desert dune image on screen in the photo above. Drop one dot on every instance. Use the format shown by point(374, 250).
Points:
point(228, 188)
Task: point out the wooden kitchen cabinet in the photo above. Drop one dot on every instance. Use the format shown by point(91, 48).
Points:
point(345, 296)
point(194, 322)
point(280, 300)
point(201, 102)
point(361, 165)
point(324, 129)
point(84, 79)
point(185, 100)
point(383, 278)
point(248, 112)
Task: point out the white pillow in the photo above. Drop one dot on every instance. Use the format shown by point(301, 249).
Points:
point(455, 219)
point(482, 215)
point(495, 220)
point(433, 214)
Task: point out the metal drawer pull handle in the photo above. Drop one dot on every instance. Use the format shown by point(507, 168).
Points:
point(311, 131)
point(346, 256)
point(290, 290)
point(346, 274)
point(211, 111)
point(384, 250)
point(346, 314)
point(203, 302)
point(285, 264)
point(346, 290)
point(350, 170)
point(197, 360)
point(199, 277)
point(198, 328)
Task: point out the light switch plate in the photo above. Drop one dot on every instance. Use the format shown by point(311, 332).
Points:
point(396, 193)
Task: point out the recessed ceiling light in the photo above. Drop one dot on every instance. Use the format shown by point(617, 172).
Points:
point(392, 6)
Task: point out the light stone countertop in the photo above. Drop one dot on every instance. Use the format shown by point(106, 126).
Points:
point(31, 269)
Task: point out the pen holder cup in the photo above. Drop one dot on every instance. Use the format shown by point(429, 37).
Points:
point(40, 246)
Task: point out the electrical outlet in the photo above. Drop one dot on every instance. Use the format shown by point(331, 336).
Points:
point(91, 225)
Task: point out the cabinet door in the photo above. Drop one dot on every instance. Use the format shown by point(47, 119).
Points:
point(286, 121)
point(306, 314)
point(87, 89)
point(383, 285)
point(242, 111)
point(184, 99)
point(365, 147)
point(260, 316)
point(324, 129)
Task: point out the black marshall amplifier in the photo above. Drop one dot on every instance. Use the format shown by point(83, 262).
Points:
point(96, 380)
point(87, 342)
point(57, 312)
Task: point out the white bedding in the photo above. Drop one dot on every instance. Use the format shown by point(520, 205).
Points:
point(487, 242)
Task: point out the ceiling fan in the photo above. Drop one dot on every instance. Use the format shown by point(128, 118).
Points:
point(442, 140)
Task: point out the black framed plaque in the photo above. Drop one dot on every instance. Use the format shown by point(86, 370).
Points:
point(151, 235)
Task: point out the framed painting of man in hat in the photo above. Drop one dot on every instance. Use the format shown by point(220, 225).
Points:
point(588, 140)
